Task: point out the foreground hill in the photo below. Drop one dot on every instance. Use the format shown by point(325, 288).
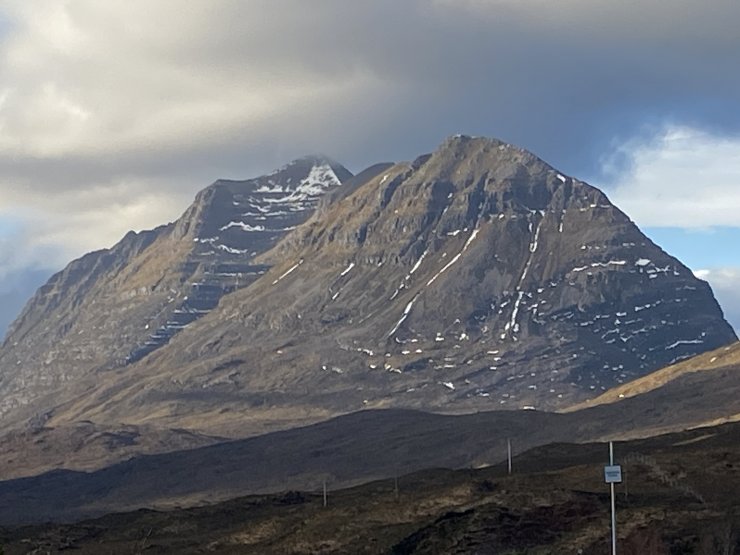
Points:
point(477, 277)
point(344, 451)
point(680, 497)
point(347, 450)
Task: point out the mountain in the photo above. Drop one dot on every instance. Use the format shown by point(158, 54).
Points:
point(113, 307)
point(472, 278)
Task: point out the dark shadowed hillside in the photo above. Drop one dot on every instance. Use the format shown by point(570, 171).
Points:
point(680, 495)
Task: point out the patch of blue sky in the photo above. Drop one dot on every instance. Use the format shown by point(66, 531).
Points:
point(5, 25)
point(713, 247)
point(9, 225)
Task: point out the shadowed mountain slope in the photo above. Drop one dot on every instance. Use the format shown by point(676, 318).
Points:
point(113, 307)
point(350, 449)
point(702, 368)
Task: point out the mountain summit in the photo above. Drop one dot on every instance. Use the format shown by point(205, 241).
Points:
point(474, 277)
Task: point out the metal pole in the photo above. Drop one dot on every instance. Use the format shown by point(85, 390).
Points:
point(508, 444)
point(614, 510)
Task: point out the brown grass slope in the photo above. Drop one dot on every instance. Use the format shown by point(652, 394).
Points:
point(708, 367)
point(86, 446)
point(344, 451)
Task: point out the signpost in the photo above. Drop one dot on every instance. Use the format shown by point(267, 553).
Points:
point(613, 475)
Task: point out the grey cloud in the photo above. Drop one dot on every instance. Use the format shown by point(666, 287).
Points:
point(563, 88)
point(109, 104)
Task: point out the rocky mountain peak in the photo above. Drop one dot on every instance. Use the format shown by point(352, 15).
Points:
point(464, 180)
point(311, 170)
point(300, 184)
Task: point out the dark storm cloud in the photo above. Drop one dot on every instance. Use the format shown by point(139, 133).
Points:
point(384, 80)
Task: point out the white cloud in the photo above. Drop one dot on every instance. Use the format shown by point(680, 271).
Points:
point(682, 177)
point(725, 283)
point(112, 115)
point(51, 230)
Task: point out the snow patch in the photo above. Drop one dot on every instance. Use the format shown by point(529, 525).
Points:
point(684, 342)
point(418, 263)
point(243, 226)
point(318, 180)
point(454, 258)
point(231, 250)
point(288, 271)
point(405, 315)
point(270, 188)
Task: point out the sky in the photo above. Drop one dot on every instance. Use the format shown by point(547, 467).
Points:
point(114, 114)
